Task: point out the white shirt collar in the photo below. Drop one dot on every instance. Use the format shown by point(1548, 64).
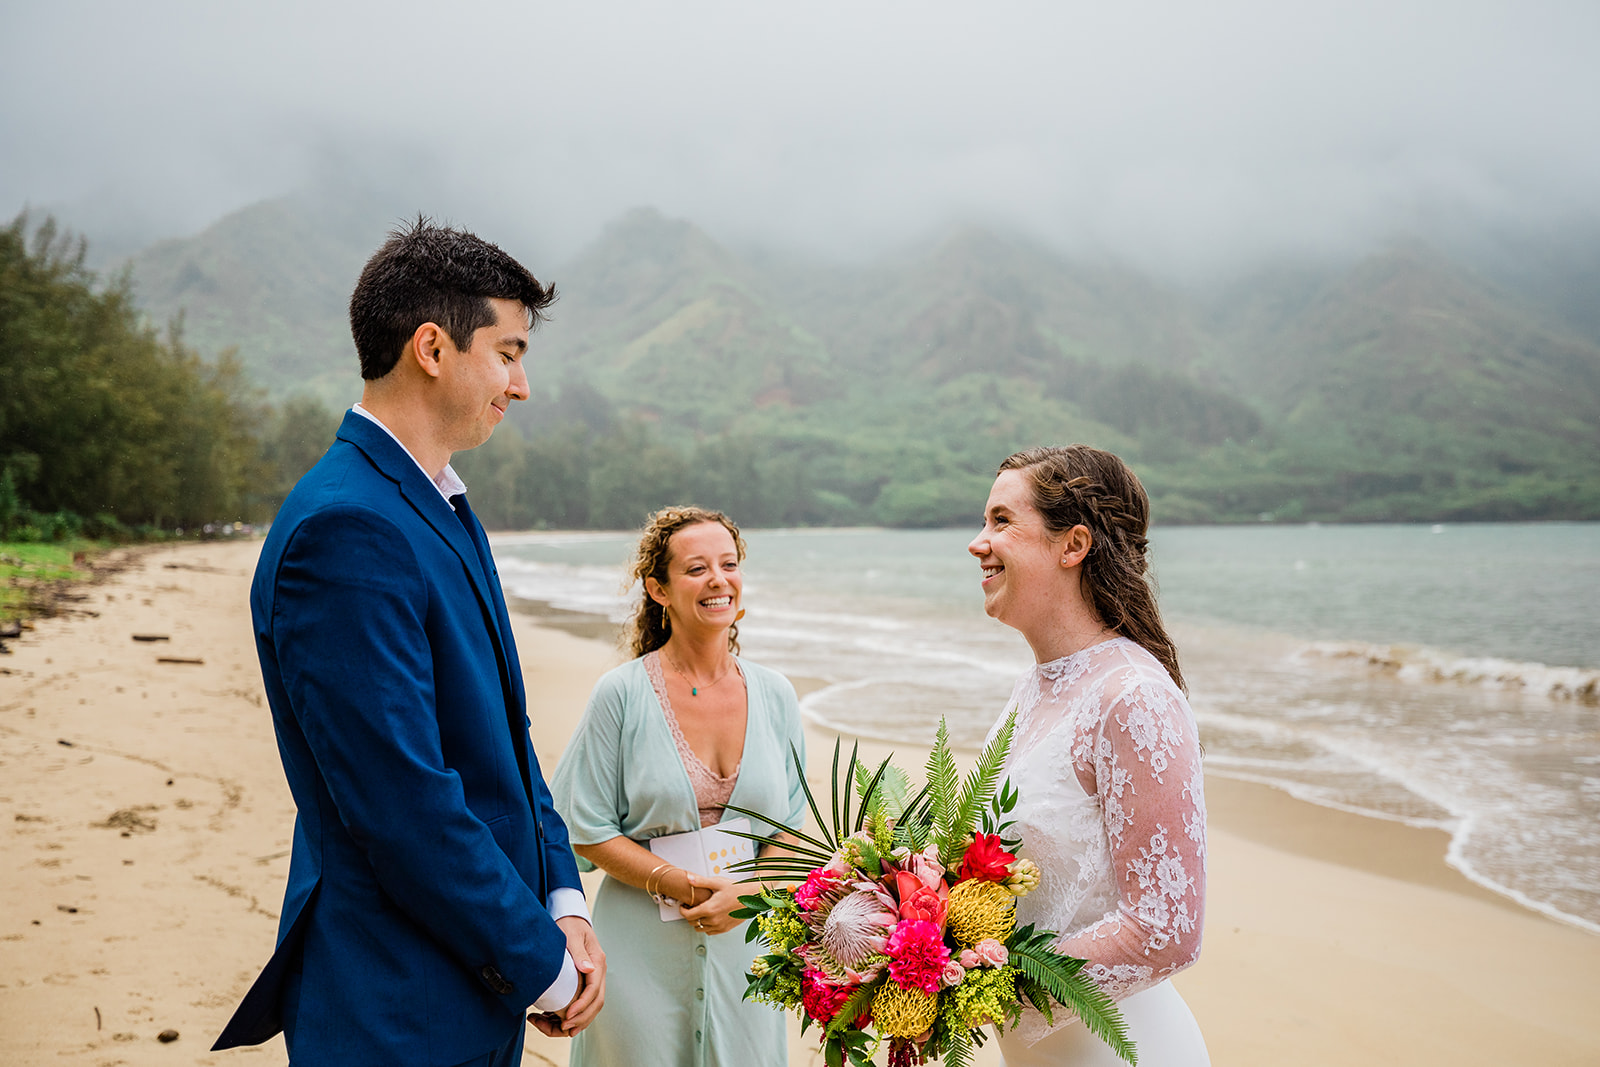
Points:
point(448, 483)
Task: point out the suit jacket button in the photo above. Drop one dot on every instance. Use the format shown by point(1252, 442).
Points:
point(495, 980)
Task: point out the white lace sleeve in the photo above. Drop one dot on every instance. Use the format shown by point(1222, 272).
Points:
point(1146, 771)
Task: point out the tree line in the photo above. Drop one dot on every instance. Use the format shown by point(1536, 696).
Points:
point(111, 428)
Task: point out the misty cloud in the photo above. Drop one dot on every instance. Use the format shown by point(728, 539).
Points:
point(1180, 136)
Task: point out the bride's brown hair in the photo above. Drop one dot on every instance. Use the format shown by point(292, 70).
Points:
point(648, 630)
point(1082, 486)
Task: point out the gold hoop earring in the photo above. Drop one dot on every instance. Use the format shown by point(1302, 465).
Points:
point(666, 622)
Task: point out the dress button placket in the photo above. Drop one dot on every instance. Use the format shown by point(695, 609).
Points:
point(700, 962)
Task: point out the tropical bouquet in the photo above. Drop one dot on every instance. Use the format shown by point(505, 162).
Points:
point(901, 931)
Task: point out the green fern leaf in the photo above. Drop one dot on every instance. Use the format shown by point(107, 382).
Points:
point(958, 1048)
point(978, 789)
point(851, 1009)
point(943, 781)
point(1059, 976)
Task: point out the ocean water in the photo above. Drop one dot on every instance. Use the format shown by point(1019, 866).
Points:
point(1443, 676)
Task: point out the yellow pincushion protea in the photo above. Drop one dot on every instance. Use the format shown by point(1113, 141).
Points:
point(900, 1012)
point(980, 909)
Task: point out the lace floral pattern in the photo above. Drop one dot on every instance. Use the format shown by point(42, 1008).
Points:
point(711, 790)
point(1111, 807)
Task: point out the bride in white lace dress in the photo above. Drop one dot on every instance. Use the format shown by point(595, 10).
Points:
point(1105, 756)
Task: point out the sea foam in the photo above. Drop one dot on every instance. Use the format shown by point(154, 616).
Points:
point(1429, 666)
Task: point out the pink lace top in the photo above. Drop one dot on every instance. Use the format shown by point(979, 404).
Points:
point(711, 790)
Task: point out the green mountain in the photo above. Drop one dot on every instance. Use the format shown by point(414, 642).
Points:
point(1403, 387)
point(272, 280)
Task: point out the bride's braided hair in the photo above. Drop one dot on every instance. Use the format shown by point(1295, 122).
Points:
point(647, 630)
point(1082, 486)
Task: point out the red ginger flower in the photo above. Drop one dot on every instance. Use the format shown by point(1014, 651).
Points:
point(986, 860)
point(917, 955)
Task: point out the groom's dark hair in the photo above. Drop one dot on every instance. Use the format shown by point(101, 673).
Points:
point(428, 273)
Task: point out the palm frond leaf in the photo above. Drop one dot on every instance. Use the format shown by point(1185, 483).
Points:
point(849, 790)
point(833, 782)
point(811, 800)
point(815, 843)
point(893, 785)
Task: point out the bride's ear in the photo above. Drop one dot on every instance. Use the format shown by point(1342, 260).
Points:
point(1075, 546)
point(654, 590)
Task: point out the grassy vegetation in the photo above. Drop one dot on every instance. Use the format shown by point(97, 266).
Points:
point(27, 568)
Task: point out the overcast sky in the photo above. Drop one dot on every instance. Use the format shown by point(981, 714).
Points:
point(1177, 134)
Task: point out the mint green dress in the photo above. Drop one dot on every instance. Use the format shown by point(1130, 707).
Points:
point(674, 996)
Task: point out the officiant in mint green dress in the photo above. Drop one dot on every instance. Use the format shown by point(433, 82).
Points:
point(668, 740)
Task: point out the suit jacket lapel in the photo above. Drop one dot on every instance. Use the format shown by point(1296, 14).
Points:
point(510, 670)
point(423, 496)
point(462, 532)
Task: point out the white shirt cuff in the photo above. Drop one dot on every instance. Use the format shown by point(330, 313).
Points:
point(562, 903)
point(563, 989)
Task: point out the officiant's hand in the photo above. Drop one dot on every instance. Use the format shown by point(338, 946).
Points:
point(711, 916)
point(591, 962)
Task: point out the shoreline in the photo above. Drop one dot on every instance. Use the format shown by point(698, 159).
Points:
point(1258, 811)
point(148, 823)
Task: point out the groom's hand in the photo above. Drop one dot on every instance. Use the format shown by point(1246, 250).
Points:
point(590, 959)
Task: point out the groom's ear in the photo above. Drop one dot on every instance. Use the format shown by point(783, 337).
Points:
point(426, 348)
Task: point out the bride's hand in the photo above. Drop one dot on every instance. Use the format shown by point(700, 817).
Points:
point(712, 916)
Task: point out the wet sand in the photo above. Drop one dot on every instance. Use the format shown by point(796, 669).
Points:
point(147, 826)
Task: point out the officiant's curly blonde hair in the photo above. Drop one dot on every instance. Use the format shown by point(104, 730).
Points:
point(1077, 485)
point(648, 630)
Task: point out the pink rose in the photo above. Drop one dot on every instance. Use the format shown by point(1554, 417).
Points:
point(969, 959)
point(991, 953)
point(953, 974)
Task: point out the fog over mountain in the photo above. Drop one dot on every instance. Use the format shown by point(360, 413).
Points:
point(1186, 139)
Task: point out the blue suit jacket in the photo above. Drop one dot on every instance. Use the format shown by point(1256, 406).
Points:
point(414, 928)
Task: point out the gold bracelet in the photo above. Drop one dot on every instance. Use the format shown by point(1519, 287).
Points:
point(649, 878)
point(660, 895)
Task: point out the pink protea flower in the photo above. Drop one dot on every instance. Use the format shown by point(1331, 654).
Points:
point(856, 929)
point(917, 955)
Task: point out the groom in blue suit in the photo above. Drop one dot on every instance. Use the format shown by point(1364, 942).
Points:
point(433, 899)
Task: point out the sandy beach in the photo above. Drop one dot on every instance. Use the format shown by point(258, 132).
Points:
point(147, 831)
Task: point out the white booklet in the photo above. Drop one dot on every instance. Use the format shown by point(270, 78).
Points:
point(705, 851)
